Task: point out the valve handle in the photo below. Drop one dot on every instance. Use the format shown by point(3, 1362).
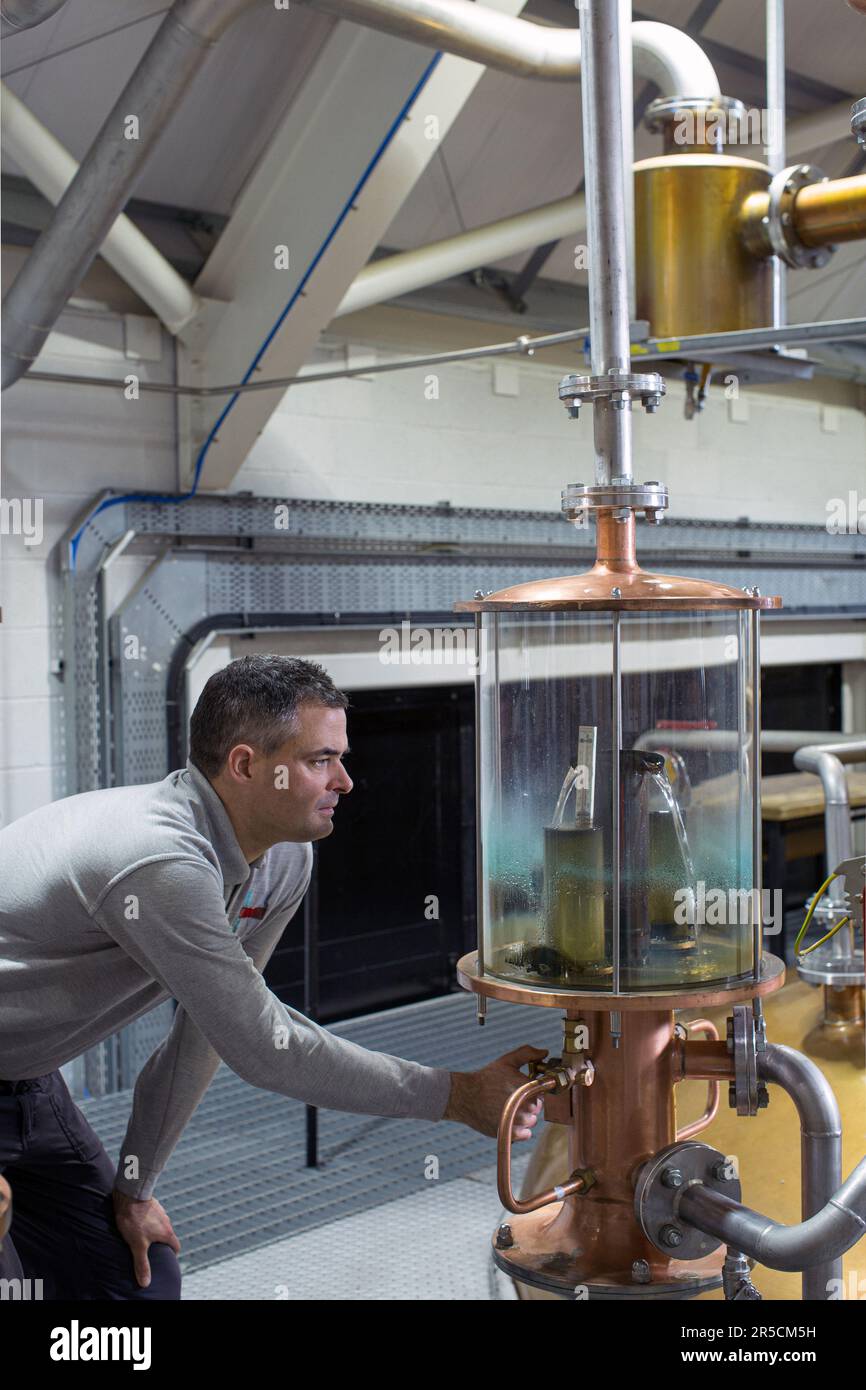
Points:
point(530, 1091)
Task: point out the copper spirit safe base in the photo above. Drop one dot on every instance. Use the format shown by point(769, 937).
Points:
point(582, 1239)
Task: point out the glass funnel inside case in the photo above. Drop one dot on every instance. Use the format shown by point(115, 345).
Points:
point(617, 812)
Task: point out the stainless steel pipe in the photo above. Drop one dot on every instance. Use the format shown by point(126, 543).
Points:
point(16, 15)
point(603, 37)
point(820, 1144)
point(813, 1245)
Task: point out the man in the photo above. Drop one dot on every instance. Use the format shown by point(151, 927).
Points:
point(114, 901)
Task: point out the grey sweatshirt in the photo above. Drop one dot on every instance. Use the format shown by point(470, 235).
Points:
point(112, 902)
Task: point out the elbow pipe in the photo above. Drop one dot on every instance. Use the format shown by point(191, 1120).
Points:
point(825, 761)
point(820, 1155)
point(815, 1245)
point(663, 54)
point(17, 15)
point(107, 175)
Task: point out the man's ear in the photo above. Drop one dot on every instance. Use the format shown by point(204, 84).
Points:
point(239, 763)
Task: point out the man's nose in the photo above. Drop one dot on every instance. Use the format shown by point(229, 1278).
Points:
point(342, 782)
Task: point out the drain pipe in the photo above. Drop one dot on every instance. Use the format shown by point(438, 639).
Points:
point(16, 15)
point(51, 168)
point(107, 176)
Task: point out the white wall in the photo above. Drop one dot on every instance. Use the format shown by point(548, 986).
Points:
point(61, 446)
point(367, 440)
point(766, 455)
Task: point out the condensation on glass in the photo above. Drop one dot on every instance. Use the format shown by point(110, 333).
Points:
point(616, 786)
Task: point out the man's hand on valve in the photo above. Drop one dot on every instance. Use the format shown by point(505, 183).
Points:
point(478, 1097)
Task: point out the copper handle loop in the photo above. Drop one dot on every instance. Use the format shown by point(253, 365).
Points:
point(518, 1098)
point(703, 1025)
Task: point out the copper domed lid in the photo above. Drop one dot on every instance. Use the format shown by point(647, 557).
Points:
point(617, 582)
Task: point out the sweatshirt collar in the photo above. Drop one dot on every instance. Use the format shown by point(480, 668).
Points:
point(233, 862)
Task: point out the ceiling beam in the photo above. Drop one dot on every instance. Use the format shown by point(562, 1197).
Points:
point(342, 163)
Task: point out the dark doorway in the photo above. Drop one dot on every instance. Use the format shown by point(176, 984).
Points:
point(395, 899)
point(799, 697)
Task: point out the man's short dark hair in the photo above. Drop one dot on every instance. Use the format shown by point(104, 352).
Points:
point(255, 700)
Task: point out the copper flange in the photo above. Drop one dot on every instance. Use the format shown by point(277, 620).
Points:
point(571, 1000)
point(542, 1253)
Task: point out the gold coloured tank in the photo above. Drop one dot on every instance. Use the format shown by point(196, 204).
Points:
point(693, 273)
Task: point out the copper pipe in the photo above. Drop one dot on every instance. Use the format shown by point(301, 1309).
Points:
point(703, 1025)
point(705, 1061)
point(822, 214)
point(827, 213)
point(615, 543)
point(524, 1095)
point(843, 1006)
point(626, 1115)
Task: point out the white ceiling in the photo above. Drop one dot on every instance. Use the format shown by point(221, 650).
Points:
point(515, 145)
point(69, 77)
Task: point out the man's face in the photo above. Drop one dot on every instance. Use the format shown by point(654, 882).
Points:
point(298, 786)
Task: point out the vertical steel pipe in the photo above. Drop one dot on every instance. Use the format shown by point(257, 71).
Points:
point(481, 999)
point(774, 150)
point(757, 832)
point(820, 1146)
point(602, 40)
point(825, 762)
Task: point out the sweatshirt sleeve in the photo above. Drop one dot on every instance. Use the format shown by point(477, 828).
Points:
point(173, 1080)
point(169, 915)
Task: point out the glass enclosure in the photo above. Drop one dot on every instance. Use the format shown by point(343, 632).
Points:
point(616, 789)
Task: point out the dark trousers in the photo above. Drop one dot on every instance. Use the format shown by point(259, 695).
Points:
point(63, 1230)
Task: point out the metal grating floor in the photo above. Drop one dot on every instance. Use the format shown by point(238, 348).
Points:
point(237, 1182)
point(430, 1246)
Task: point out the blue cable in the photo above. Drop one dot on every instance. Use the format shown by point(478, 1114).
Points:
point(184, 497)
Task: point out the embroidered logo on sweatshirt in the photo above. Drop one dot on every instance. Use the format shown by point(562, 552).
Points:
point(249, 910)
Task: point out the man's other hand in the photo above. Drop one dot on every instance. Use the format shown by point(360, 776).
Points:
point(140, 1224)
point(478, 1097)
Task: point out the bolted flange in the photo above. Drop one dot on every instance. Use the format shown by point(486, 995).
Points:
point(657, 1201)
point(622, 496)
point(779, 226)
point(617, 386)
